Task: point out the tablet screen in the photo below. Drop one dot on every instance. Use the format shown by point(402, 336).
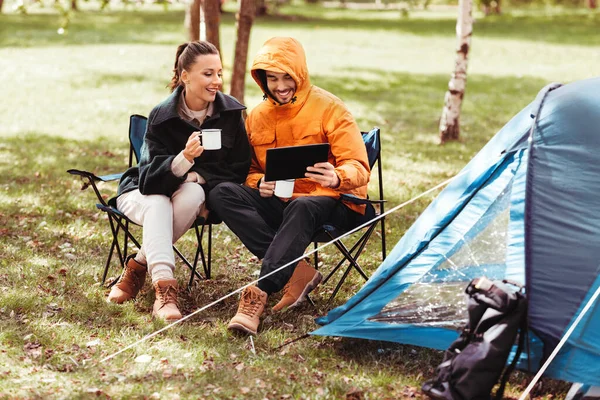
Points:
point(291, 162)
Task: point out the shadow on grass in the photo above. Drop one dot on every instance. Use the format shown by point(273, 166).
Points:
point(142, 26)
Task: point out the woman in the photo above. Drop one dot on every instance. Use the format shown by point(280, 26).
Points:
point(166, 192)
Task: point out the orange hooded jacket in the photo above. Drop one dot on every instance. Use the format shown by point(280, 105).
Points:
point(313, 116)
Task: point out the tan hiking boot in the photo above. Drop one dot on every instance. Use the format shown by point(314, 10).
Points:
point(130, 282)
point(304, 279)
point(165, 305)
point(252, 304)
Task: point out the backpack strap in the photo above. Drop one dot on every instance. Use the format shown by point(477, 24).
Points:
point(523, 330)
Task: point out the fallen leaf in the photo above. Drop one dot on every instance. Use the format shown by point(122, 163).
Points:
point(144, 358)
point(355, 394)
point(33, 350)
point(93, 343)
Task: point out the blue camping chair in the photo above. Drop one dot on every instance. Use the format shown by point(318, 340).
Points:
point(119, 223)
point(372, 140)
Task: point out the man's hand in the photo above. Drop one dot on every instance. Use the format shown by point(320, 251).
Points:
point(266, 189)
point(193, 148)
point(324, 174)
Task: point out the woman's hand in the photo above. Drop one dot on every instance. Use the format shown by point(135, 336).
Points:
point(193, 148)
point(266, 189)
point(324, 174)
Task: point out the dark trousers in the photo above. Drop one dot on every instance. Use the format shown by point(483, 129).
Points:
point(273, 230)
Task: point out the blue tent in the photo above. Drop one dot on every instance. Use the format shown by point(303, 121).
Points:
point(525, 208)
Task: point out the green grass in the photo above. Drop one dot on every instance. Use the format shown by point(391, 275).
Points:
point(65, 103)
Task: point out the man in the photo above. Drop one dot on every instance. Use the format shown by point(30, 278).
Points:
point(278, 231)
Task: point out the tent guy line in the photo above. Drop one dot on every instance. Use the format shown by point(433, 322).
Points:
point(155, 333)
point(560, 344)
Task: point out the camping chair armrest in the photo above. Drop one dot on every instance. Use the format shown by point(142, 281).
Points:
point(94, 178)
point(357, 200)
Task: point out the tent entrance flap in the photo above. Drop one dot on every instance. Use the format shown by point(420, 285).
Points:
point(438, 298)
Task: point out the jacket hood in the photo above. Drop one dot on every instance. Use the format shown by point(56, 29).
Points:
point(282, 54)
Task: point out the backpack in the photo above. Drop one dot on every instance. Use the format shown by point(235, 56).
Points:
point(474, 362)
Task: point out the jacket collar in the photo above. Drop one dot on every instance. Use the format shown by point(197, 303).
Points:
point(167, 109)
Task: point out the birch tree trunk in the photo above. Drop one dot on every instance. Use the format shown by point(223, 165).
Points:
point(450, 121)
point(192, 20)
point(245, 19)
point(212, 19)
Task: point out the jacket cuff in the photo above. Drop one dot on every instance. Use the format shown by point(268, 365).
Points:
point(180, 165)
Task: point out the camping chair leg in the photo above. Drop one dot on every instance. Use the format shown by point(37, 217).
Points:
point(114, 246)
point(339, 264)
point(316, 256)
point(125, 248)
point(352, 261)
point(339, 285)
point(199, 255)
point(359, 251)
point(187, 263)
point(383, 249)
point(207, 271)
point(108, 260)
point(352, 257)
point(127, 235)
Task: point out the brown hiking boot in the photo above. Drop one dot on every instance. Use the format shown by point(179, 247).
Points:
point(130, 282)
point(304, 279)
point(252, 304)
point(165, 305)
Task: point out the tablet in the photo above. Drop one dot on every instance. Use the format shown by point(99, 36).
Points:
point(291, 162)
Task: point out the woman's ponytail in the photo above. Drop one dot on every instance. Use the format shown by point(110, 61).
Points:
point(175, 80)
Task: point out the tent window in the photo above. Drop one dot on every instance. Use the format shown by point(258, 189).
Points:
point(438, 299)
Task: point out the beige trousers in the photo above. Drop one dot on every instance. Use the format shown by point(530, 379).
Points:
point(164, 220)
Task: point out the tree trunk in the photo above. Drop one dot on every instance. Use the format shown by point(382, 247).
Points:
point(74, 5)
point(592, 4)
point(1, 2)
point(192, 20)
point(450, 121)
point(212, 17)
point(245, 18)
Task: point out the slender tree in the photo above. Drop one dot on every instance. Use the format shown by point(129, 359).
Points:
point(1, 2)
point(192, 20)
point(245, 19)
point(212, 18)
point(450, 121)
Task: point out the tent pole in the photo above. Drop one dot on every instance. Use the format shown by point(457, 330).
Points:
point(564, 339)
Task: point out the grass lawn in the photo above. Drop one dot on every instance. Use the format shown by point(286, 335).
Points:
point(65, 102)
